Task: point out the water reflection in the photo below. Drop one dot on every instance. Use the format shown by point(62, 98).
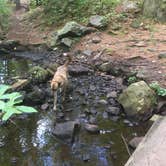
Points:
point(13, 67)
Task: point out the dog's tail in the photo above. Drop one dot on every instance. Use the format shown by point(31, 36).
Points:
point(69, 59)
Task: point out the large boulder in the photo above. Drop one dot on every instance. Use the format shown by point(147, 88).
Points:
point(155, 9)
point(71, 29)
point(130, 6)
point(138, 98)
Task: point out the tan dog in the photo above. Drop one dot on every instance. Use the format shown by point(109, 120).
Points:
point(60, 81)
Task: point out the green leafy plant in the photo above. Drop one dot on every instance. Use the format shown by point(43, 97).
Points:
point(5, 11)
point(132, 79)
point(159, 90)
point(9, 103)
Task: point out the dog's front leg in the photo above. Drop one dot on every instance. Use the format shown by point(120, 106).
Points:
point(55, 100)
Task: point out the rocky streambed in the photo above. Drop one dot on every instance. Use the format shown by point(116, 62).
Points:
point(87, 128)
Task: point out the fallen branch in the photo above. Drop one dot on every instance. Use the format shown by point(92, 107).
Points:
point(126, 145)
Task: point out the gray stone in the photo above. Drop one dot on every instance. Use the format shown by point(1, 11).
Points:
point(98, 21)
point(66, 129)
point(44, 106)
point(102, 102)
point(92, 128)
point(96, 40)
point(67, 42)
point(79, 70)
point(87, 52)
point(135, 142)
point(71, 29)
point(130, 6)
point(113, 110)
point(112, 94)
point(162, 55)
point(138, 98)
point(106, 67)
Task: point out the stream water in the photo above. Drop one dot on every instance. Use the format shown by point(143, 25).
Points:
point(29, 141)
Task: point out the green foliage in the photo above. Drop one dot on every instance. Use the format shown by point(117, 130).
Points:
point(4, 14)
point(132, 79)
point(159, 90)
point(9, 103)
point(56, 11)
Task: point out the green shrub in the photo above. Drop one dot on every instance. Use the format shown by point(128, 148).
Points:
point(9, 103)
point(159, 90)
point(59, 11)
point(4, 14)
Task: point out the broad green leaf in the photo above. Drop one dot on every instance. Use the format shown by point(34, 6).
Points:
point(26, 109)
point(7, 115)
point(2, 105)
point(3, 89)
point(11, 96)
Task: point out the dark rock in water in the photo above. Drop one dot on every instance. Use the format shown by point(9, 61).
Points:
point(105, 115)
point(66, 130)
point(92, 128)
point(60, 115)
point(87, 52)
point(86, 157)
point(98, 21)
point(102, 102)
point(36, 96)
point(135, 142)
point(92, 120)
point(44, 106)
point(113, 110)
point(162, 55)
point(112, 94)
point(77, 70)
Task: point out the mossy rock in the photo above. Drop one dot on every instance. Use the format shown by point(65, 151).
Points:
point(38, 74)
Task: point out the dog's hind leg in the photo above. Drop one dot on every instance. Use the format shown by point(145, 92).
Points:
point(55, 100)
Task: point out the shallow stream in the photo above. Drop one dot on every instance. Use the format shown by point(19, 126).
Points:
point(28, 141)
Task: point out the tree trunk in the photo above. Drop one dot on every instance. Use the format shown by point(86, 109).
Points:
point(155, 9)
point(18, 4)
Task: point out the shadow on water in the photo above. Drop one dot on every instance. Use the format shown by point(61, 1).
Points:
point(30, 142)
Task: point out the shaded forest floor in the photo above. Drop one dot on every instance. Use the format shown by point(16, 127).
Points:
point(139, 48)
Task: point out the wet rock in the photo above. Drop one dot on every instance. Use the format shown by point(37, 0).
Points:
point(135, 142)
point(66, 130)
point(86, 157)
point(112, 94)
point(67, 42)
point(98, 21)
point(105, 115)
point(87, 52)
point(44, 106)
point(138, 98)
point(91, 128)
point(77, 70)
point(113, 110)
point(102, 102)
point(162, 55)
point(92, 120)
point(36, 96)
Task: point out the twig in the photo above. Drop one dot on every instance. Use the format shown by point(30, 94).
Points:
point(127, 148)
